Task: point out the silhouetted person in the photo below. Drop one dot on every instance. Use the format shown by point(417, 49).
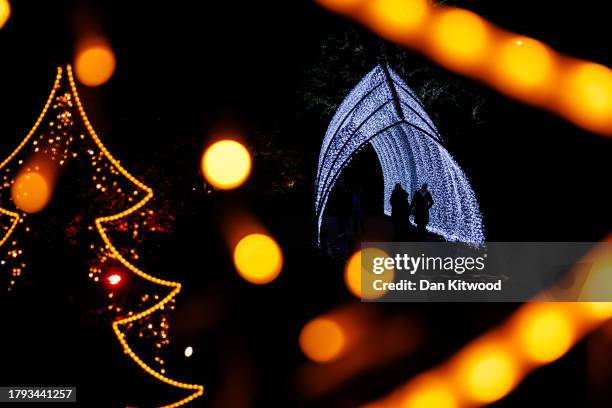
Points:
point(400, 212)
point(421, 203)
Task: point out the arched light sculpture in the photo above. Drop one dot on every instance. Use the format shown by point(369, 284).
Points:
point(384, 112)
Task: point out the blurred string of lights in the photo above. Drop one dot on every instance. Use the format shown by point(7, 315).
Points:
point(54, 144)
point(383, 111)
point(492, 365)
point(523, 68)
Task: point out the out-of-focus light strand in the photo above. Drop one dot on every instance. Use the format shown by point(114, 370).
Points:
point(523, 68)
point(491, 366)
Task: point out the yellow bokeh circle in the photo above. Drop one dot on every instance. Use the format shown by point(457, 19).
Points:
point(226, 164)
point(545, 332)
point(524, 64)
point(397, 18)
point(488, 373)
point(322, 340)
point(30, 192)
point(460, 38)
point(95, 64)
point(258, 258)
point(587, 95)
point(359, 277)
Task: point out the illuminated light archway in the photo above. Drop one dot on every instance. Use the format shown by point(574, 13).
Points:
point(384, 112)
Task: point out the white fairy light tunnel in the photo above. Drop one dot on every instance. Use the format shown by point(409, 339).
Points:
point(384, 112)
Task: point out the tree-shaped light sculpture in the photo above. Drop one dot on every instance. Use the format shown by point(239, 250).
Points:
point(63, 134)
point(384, 112)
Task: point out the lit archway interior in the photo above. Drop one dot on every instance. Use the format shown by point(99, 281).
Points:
point(384, 112)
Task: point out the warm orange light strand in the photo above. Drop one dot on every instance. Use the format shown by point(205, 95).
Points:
point(523, 68)
point(99, 222)
point(199, 389)
point(492, 365)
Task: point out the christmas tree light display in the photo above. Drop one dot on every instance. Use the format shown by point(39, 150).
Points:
point(384, 112)
point(63, 135)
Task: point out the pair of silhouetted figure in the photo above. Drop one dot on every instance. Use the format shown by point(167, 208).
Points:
point(402, 208)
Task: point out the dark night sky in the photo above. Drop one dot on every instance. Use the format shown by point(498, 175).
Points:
point(184, 71)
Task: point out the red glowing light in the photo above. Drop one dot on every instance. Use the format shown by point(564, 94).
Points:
point(114, 279)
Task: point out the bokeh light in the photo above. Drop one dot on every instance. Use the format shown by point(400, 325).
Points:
point(94, 62)
point(587, 96)
point(258, 258)
point(489, 367)
point(524, 68)
point(430, 392)
point(524, 65)
point(322, 340)
point(226, 164)
point(544, 332)
point(398, 18)
point(188, 351)
point(487, 372)
point(354, 273)
point(459, 37)
point(5, 12)
point(31, 192)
